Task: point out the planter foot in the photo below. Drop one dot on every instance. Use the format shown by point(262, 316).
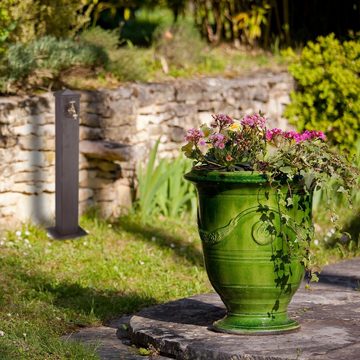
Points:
point(231, 324)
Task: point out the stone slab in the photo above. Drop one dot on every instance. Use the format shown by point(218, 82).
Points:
point(107, 343)
point(329, 315)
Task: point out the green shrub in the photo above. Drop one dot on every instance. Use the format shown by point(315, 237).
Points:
point(130, 64)
point(107, 39)
point(127, 63)
point(328, 90)
point(180, 45)
point(48, 57)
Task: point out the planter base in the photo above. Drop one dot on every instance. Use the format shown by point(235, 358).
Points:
point(239, 325)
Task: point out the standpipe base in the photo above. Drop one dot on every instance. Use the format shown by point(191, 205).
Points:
point(55, 234)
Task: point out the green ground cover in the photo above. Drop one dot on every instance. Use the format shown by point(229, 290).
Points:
point(50, 288)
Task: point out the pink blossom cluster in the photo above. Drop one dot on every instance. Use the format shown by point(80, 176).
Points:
point(255, 120)
point(312, 134)
point(272, 133)
point(221, 120)
point(194, 135)
point(218, 140)
point(293, 135)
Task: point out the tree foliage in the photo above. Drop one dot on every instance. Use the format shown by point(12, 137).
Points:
point(267, 22)
point(31, 19)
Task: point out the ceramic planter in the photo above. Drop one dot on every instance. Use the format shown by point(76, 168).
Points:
point(248, 265)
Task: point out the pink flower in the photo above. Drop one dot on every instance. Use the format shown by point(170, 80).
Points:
point(218, 140)
point(228, 157)
point(271, 134)
point(194, 135)
point(255, 120)
point(312, 134)
point(292, 135)
point(221, 120)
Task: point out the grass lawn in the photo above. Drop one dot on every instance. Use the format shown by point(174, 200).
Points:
point(50, 288)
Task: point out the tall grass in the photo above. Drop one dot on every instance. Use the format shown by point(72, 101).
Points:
point(162, 189)
point(176, 196)
point(150, 180)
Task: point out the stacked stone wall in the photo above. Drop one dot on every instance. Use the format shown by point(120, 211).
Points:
point(128, 119)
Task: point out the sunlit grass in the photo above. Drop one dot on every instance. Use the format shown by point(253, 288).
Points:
point(143, 64)
point(49, 288)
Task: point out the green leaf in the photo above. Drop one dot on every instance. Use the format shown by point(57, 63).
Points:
point(188, 149)
point(289, 201)
point(341, 189)
point(286, 169)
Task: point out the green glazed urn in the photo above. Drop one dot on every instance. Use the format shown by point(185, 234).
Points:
point(250, 265)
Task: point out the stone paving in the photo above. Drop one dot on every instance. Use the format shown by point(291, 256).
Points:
point(329, 315)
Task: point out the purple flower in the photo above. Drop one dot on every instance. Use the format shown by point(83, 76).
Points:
point(292, 135)
point(218, 140)
point(271, 134)
point(255, 120)
point(312, 134)
point(194, 135)
point(221, 120)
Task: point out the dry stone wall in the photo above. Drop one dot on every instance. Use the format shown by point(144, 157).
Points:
point(117, 129)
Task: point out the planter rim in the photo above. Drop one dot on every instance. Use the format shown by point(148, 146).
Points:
point(244, 177)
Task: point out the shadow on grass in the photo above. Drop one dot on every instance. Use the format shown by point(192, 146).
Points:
point(103, 304)
point(162, 238)
point(86, 304)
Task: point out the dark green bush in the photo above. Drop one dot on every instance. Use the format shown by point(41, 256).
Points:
point(328, 90)
point(141, 29)
point(47, 57)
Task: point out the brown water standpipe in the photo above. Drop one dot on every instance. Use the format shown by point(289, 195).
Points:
point(67, 114)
